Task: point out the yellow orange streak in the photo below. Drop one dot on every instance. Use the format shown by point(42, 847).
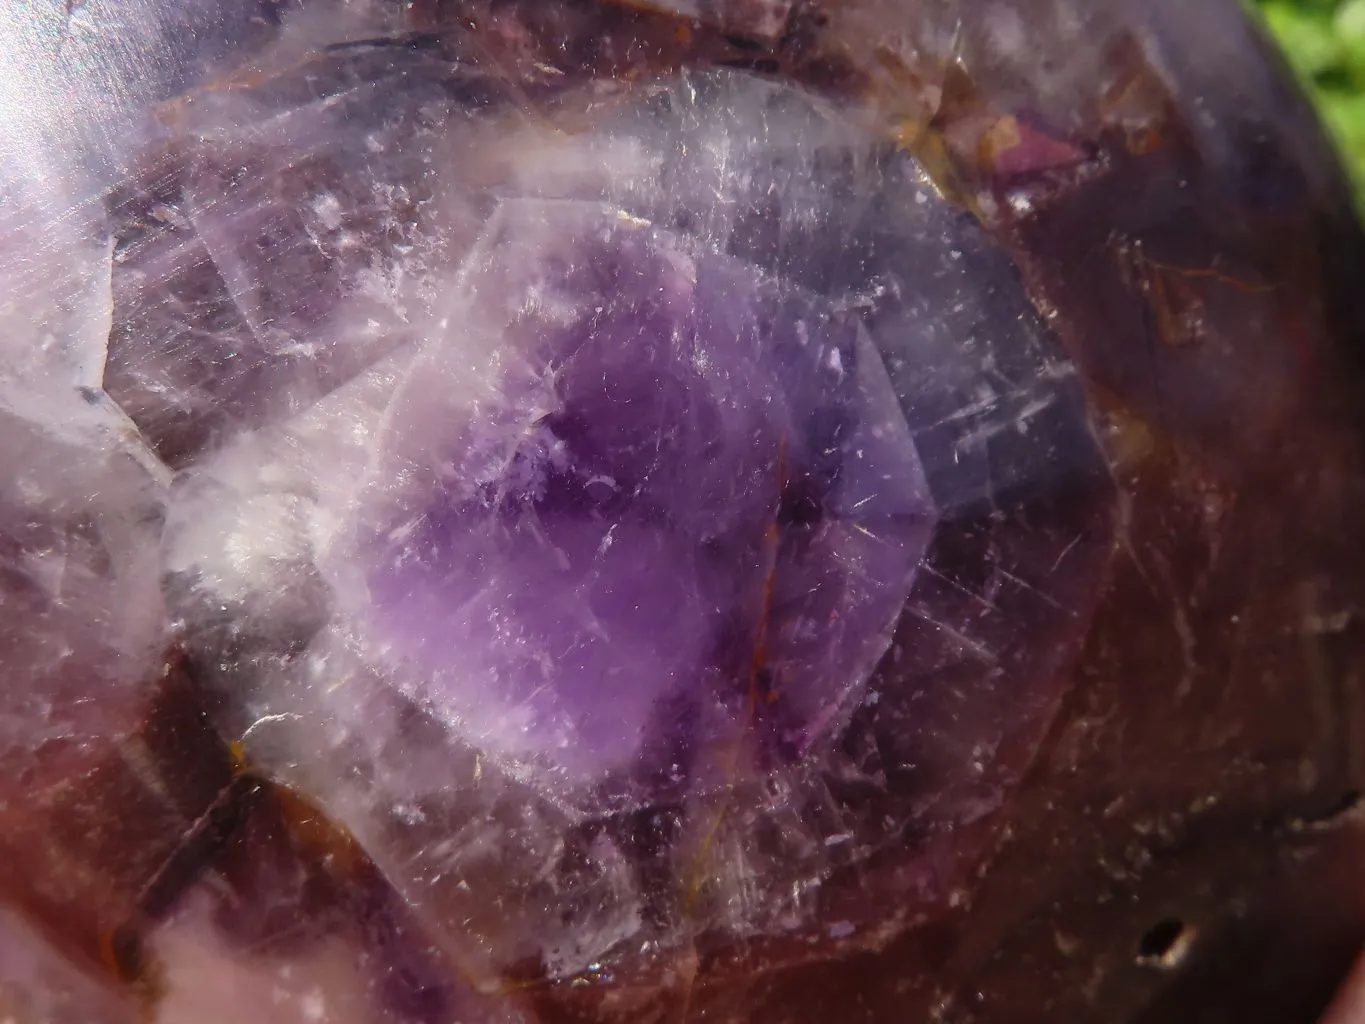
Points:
point(772, 536)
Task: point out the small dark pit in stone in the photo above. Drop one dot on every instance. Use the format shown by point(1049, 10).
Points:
point(1348, 802)
point(1329, 814)
point(1165, 944)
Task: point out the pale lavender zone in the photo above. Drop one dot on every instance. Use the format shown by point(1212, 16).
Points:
point(706, 521)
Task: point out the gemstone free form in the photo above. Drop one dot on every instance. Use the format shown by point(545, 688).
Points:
point(609, 512)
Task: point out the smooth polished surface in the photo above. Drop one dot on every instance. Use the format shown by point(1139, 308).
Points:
point(570, 511)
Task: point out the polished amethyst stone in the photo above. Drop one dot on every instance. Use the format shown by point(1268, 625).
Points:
point(536, 511)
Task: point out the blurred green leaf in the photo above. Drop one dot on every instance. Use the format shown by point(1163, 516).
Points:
point(1324, 41)
point(1308, 37)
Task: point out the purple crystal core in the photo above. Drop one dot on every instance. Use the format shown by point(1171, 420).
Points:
point(686, 501)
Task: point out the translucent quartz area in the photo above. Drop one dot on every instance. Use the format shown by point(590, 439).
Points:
point(627, 536)
point(528, 511)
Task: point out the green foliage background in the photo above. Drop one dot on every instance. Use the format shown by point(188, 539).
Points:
point(1325, 41)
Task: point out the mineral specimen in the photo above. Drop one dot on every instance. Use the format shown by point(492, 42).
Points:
point(562, 510)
